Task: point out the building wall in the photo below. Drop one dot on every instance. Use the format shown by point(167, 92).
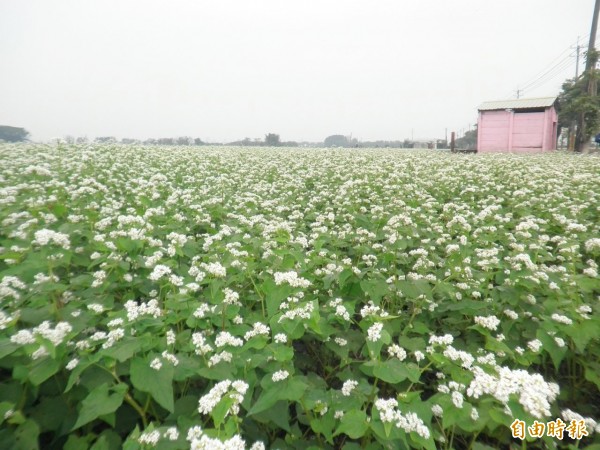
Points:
point(493, 131)
point(516, 131)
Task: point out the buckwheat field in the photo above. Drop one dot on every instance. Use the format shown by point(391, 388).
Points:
point(229, 298)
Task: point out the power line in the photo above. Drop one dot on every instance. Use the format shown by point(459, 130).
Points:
point(552, 63)
point(550, 71)
point(551, 74)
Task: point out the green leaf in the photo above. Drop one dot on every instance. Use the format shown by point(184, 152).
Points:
point(283, 353)
point(278, 414)
point(100, 402)
point(7, 347)
point(220, 411)
point(324, 425)
point(392, 371)
point(26, 436)
point(158, 383)
point(375, 289)
point(354, 424)
point(274, 295)
point(4, 408)
point(42, 369)
point(480, 446)
point(583, 333)
point(76, 443)
point(288, 389)
point(108, 440)
point(592, 373)
point(124, 350)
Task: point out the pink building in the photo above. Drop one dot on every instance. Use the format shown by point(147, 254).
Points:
point(522, 126)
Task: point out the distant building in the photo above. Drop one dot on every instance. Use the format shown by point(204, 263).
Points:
point(425, 143)
point(525, 125)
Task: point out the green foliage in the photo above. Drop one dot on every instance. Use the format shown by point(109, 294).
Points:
point(13, 134)
point(272, 140)
point(468, 141)
point(301, 298)
point(336, 140)
point(577, 99)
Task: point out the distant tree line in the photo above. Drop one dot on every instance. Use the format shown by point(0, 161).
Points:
point(274, 140)
point(468, 141)
point(271, 140)
point(182, 140)
point(339, 140)
point(13, 134)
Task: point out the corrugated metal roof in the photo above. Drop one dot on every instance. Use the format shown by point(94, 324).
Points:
point(540, 102)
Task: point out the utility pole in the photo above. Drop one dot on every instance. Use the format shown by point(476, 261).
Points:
point(518, 93)
point(571, 133)
point(577, 60)
point(590, 62)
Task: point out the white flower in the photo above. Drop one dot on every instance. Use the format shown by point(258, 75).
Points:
point(280, 338)
point(225, 338)
point(150, 438)
point(348, 387)
point(533, 392)
point(340, 341)
point(215, 269)
point(201, 311)
point(217, 358)
point(437, 410)
point(280, 375)
point(159, 271)
point(72, 364)
point(561, 319)
point(534, 345)
point(45, 237)
point(396, 351)
point(171, 434)
point(257, 330)
point(457, 399)
point(290, 278)
point(409, 422)
point(115, 323)
point(199, 341)
point(231, 297)
point(194, 433)
point(170, 357)
point(96, 307)
point(235, 390)
point(156, 364)
point(446, 339)
point(171, 337)
point(374, 332)
point(592, 244)
point(489, 322)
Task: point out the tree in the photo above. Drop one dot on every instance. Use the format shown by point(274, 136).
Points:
point(336, 140)
point(272, 140)
point(468, 141)
point(576, 100)
point(13, 134)
point(105, 140)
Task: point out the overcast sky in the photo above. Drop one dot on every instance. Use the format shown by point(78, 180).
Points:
point(224, 70)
